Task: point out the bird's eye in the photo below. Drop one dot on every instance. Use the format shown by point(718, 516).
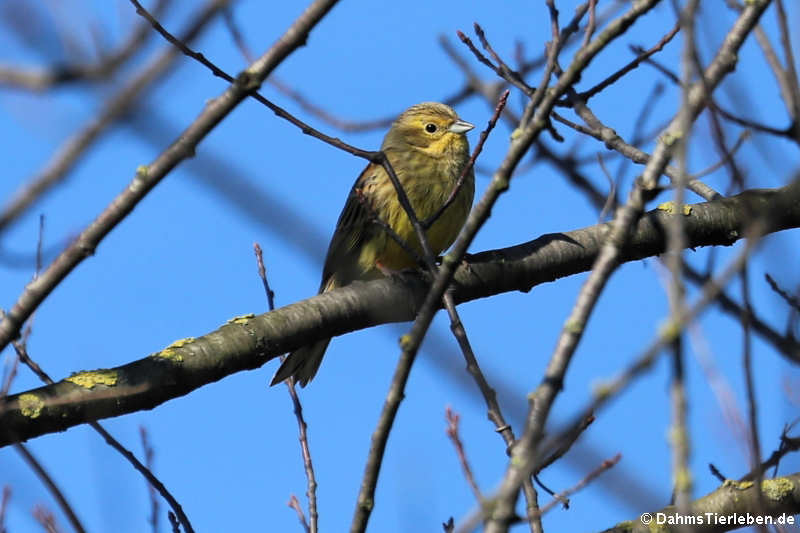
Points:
point(430, 127)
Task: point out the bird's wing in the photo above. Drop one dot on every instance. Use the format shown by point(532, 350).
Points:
point(354, 228)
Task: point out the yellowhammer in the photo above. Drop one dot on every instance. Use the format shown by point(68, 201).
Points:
point(428, 150)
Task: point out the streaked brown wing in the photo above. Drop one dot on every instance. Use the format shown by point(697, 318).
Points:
point(352, 230)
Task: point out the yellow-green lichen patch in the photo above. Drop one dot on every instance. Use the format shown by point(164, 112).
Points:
point(683, 479)
point(30, 405)
point(243, 319)
point(669, 330)
point(405, 342)
point(170, 351)
point(89, 379)
point(669, 208)
point(138, 180)
point(574, 326)
point(181, 342)
point(777, 490)
point(671, 137)
point(601, 389)
point(737, 485)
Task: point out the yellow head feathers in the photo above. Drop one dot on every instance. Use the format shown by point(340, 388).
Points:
point(430, 127)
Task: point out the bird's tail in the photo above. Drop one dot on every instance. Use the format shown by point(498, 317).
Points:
point(302, 363)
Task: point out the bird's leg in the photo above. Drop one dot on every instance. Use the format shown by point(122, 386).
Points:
point(386, 271)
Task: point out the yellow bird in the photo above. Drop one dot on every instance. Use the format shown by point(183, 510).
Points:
point(428, 150)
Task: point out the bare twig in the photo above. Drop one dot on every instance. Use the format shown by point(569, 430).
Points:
point(478, 55)
point(613, 140)
point(680, 441)
point(238, 38)
point(294, 503)
point(8, 380)
point(4, 499)
point(591, 476)
point(506, 72)
point(149, 455)
point(792, 82)
point(338, 123)
point(715, 106)
point(727, 158)
point(311, 491)
point(262, 273)
point(586, 95)
point(752, 404)
point(494, 412)
point(787, 445)
point(791, 300)
point(566, 444)
point(453, 419)
point(781, 343)
point(46, 519)
point(473, 521)
point(590, 27)
point(48, 481)
point(611, 200)
point(173, 521)
point(449, 526)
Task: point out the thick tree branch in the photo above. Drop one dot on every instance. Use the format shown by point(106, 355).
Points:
point(723, 509)
point(248, 342)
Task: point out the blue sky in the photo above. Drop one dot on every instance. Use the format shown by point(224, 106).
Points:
point(182, 264)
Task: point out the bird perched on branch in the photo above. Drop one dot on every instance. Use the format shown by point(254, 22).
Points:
point(428, 150)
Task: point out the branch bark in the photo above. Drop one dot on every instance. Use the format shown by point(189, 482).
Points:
point(247, 342)
point(727, 508)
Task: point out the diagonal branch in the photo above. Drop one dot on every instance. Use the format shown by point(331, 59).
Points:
point(42, 79)
point(121, 102)
point(149, 176)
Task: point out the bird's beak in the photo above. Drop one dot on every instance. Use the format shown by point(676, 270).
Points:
point(460, 126)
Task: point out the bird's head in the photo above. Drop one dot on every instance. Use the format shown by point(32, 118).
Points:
point(429, 127)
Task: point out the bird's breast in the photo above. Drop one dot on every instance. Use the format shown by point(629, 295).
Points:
point(428, 183)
